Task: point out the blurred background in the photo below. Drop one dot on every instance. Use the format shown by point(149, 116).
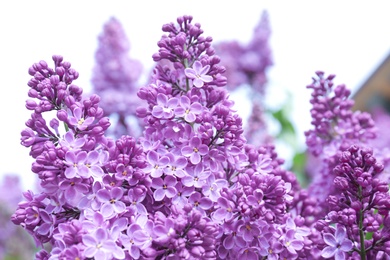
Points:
point(348, 38)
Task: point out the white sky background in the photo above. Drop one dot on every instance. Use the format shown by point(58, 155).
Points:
point(346, 38)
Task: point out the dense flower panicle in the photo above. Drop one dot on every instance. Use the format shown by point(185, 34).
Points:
point(115, 78)
point(360, 209)
point(248, 64)
point(335, 124)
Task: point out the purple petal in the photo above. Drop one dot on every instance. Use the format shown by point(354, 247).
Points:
point(328, 251)
point(97, 171)
point(196, 108)
point(195, 158)
point(89, 240)
point(170, 192)
point(340, 233)
point(187, 150)
point(161, 99)
point(100, 234)
point(187, 181)
point(340, 255)
point(117, 193)
point(152, 157)
point(198, 83)
point(346, 245)
point(157, 183)
point(103, 195)
point(206, 78)
point(90, 252)
point(190, 73)
point(185, 101)
point(190, 117)
point(107, 210)
point(203, 149)
point(330, 240)
point(228, 242)
point(159, 194)
point(119, 207)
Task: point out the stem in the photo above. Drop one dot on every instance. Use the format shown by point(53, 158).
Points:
point(66, 127)
point(361, 233)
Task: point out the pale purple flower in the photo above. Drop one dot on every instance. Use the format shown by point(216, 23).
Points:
point(78, 120)
point(165, 107)
point(188, 110)
point(100, 246)
point(338, 244)
point(176, 166)
point(212, 186)
point(249, 230)
point(196, 177)
point(165, 232)
point(214, 159)
point(156, 164)
point(200, 203)
point(70, 142)
point(234, 238)
point(225, 210)
point(144, 237)
point(199, 74)
point(291, 243)
point(83, 164)
point(164, 187)
point(136, 202)
point(264, 164)
point(90, 200)
point(195, 149)
point(75, 162)
point(73, 188)
point(183, 192)
point(128, 241)
point(111, 200)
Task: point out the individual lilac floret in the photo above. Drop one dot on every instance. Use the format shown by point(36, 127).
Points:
point(100, 246)
point(199, 74)
point(337, 244)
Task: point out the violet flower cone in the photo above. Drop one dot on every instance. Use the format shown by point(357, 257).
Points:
point(115, 78)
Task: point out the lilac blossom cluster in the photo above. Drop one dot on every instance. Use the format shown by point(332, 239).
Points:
point(15, 243)
point(115, 79)
point(190, 187)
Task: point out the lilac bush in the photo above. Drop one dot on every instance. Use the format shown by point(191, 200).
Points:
point(191, 186)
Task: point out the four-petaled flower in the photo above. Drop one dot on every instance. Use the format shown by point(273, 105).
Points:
point(111, 200)
point(164, 187)
point(338, 244)
point(79, 121)
point(195, 150)
point(165, 107)
point(188, 110)
point(199, 74)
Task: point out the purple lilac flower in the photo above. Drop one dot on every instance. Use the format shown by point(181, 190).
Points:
point(165, 107)
point(164, 187)
point(188, 110)
point(194, 150)
point(99, 246)
point(156, 165)
point(199, 74)
point(196, 176)
point(337, 244)
point(115, 78)
point(111, 201)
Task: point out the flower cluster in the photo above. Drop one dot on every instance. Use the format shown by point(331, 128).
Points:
point(191, 187)
point(360, 210)
point(115, 78)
